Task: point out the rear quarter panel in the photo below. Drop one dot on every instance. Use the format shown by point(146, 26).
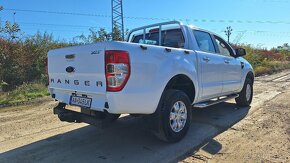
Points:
point(151, 70)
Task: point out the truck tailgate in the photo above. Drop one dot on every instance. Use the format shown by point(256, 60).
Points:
point(78, 69)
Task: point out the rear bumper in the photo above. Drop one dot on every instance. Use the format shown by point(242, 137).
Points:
point(113, 102)
point(63, 96)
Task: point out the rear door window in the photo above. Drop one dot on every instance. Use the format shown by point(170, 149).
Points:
point(173, 38)
point(204, 41)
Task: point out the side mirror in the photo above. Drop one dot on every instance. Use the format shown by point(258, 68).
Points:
point(240, 52)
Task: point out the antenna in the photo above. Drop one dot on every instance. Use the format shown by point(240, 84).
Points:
point(117, 17)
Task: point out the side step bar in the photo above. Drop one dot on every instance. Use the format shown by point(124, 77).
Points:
point(213, 102)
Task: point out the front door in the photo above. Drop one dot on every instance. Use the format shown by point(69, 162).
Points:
point(210, 65)
point(231, 67)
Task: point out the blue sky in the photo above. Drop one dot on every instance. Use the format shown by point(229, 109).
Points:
point(263, 23)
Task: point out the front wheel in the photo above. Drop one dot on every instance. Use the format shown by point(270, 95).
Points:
point(246, 95)
point(173, 116)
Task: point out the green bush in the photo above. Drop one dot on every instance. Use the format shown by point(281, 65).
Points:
point(267, 61)
point(24, 61)
point(25, 92)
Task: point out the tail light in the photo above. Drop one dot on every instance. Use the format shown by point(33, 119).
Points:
point(117, 68)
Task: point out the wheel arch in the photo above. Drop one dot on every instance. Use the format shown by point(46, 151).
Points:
point(184, 83)
point(250, 75)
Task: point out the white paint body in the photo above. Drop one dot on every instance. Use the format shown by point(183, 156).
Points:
point(151, 70)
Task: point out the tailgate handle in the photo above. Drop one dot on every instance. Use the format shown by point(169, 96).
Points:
point(70, 69)
point(70, 56)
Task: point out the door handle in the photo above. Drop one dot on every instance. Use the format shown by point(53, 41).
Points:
point(227, 61)
point(206, 59)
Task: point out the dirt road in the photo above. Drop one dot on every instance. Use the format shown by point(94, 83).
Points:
point(262, 136)
point(223, 133)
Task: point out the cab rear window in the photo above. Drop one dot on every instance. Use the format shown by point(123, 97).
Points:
point(169, 38)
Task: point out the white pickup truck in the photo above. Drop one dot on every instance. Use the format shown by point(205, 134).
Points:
point(162, 72)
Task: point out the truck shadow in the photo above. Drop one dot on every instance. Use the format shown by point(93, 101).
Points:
point(128, 141)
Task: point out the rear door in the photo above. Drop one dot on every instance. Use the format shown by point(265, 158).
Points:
point(210, 65)
point(231, 67)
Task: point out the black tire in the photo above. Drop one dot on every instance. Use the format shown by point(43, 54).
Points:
point(242, 100)
point(161, 124)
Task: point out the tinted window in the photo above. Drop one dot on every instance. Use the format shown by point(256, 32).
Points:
point(173, 38)
point(170, 38)
point(150, 38)
point(204, 41)
point(223, 48)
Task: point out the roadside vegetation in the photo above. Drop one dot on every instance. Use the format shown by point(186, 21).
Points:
point(22, 60)
point(23, 93)
point(268, 61)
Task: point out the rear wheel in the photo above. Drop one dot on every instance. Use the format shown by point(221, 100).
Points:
point(173, 116)
point(246, 95)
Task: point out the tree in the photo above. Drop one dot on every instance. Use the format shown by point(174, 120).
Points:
point(98, 36)
point(10, 31)
point(104, 35)
point(116, 34)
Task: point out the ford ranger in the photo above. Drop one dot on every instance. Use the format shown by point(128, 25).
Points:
point(161, 72)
